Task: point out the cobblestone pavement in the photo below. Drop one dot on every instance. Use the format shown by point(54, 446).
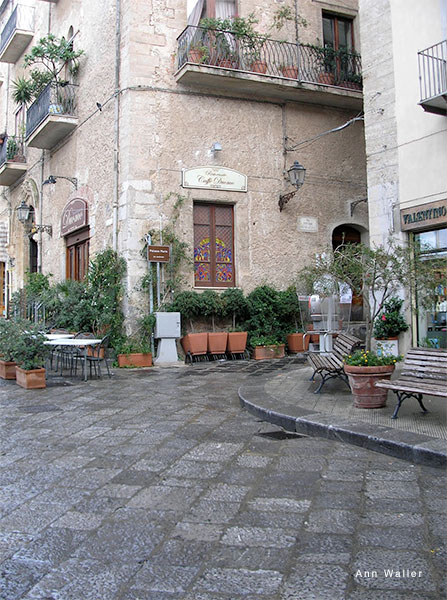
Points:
point(155, 485)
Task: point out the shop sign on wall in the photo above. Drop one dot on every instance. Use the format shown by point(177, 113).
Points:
point(214, 178)
point(308, 224)
point(424, 216)
point(74, 216)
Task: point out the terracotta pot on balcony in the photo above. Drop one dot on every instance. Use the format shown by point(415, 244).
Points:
point(326, 78)
point(258, 66)
point(290, 72)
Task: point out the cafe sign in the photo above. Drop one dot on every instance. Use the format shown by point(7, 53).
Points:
point(425, 216)
point(214, 178)
point(74, 216)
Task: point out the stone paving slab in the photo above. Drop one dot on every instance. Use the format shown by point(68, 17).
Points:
point(155, 485)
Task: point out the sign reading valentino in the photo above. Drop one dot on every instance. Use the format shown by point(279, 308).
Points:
point(424, 216)
point(74, 216)
point(214, 178)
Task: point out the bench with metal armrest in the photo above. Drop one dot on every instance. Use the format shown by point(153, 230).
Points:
point(329, 365)
point(424, 371)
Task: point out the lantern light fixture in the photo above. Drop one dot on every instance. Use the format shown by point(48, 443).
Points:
point(296, 175)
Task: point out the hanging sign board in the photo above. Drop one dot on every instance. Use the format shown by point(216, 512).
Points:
point(214, 178)
point(158, 254)
point(74, 216)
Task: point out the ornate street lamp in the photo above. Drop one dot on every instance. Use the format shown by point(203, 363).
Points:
point(296, 175)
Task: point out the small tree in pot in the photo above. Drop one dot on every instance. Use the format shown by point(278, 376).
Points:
point(9, 332)
point(30, 353)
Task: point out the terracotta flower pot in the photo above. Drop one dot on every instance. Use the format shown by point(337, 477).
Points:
point(258, 66)
point(362, 381)
point(237, 342)
point(217, 342)
point(271, 351)
point(135, 359)
point(31, 380)
point(290, 72)
point(195, 56)
point(7, 369)
point(295, 343)
point(195, 343)
point(326, 78)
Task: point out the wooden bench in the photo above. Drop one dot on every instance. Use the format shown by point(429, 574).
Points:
point(424, 372)
point(329, 365)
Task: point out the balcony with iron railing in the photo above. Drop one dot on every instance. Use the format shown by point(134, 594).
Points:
point(12, 160)
point(302, 72)
point(52, 116)
point(433, 78)
point(17, 33)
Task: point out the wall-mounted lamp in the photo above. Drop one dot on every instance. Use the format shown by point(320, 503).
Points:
point(23, 214)
point(216, 147)
point(296, 175)
point(52, 179)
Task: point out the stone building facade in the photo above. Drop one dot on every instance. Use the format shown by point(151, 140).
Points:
point(142, 133)
point(404, 58)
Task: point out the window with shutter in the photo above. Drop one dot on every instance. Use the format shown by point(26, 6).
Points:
point(213, 245)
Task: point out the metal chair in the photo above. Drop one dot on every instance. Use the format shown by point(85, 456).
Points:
point(99, 354)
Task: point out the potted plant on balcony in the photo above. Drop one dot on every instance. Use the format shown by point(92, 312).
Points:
point(30, 353)
point(289, 71)
point(9, 331)
point(198, 53)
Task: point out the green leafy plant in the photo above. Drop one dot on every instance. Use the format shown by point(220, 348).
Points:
point(140, 340)
point(390, 322)
point(365, 358)
point(210, 305)
point(187, 303)
point(9, 332)
point(53, 54)
point(29, 350)
point(376, 274)
point(265, 340)
point(12, 148)
point(234, 305)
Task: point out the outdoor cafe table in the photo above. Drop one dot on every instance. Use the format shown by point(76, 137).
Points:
point(59, 336)
point(75, 343)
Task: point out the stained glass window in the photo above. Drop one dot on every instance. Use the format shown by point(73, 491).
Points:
point(213, 245)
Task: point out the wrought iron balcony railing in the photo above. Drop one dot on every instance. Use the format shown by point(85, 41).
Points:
point(433, 71)
point(12, 150)
point(54, 100)
point(302, 62)
point(21, 18)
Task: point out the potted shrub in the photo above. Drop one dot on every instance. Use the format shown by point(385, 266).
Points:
point(30, 353)
point(363, 369)
point(266, 347)
point(388, 324)
point(211, 305)
point(198, 53)
point(9, 330)
point(188, 304)
point(235, 306)
point(136, 350)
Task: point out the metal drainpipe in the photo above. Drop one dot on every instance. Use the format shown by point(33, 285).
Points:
point(40, 237)
point(116, 125)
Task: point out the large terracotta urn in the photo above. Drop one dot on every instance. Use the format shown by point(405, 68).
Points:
point(362, 381)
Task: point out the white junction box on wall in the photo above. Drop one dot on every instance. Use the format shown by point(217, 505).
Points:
point(167, 330)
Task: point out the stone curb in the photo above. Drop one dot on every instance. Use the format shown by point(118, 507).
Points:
point(405, 445)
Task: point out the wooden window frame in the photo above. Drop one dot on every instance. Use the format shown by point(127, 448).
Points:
point(213, 283)
point(336, 18)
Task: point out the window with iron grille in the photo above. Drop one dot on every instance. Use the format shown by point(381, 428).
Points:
point(213, 245)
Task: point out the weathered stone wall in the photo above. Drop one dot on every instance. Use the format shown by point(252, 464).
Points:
point(165, 126)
